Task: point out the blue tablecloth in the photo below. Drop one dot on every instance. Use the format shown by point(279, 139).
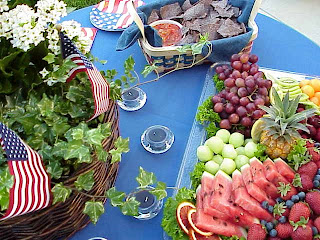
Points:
point(172, 101)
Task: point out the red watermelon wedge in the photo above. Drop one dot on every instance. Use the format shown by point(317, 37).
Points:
point(244, 200)
point(284, 169)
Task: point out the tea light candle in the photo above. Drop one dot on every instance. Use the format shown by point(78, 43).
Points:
point(132, 99)
point(157, 135)
point(130, 95)
point(145, 198)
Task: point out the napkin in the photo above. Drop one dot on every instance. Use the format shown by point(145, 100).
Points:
point(222, 48)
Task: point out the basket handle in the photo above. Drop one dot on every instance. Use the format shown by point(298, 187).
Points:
point(255, 10)
point(132, 11)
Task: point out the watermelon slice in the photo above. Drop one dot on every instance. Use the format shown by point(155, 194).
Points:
point(284, 169)
point(223, 201)
point(252, 188)
point(207, 181)
point(218, 226)
point(244, 200)
point(257, 171)
point(199, 204)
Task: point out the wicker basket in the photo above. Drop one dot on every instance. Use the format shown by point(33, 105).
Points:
point(168, 58)
point(62, 220)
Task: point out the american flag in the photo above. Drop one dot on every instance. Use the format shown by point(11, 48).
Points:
point(112, 15)
point(99, 86)
point(31, 190)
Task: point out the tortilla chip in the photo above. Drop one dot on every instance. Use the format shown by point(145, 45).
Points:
point(197, 11)
point(211, 29)
point(153, 16)
point(184, 30)
point(213, 14)
point(223, 12)
point(187, 40)
point(170, 11)
point(229, 28)
point(207, 3)
point(236, 11)
point(186, 5)
point(222, 3)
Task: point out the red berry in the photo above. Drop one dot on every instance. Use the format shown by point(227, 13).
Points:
point(302, 233)
point(315, 156)
point(299, 210)
point(317, 223)
point(310, 169)
point(306, 182)
point(256, 232)
point(313, 199)
point(284, 230)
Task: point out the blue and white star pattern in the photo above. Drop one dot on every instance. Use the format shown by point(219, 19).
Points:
point(11, 143)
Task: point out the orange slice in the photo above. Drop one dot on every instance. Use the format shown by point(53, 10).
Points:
point(194, 227)
point(195, 236)
point(182, 215)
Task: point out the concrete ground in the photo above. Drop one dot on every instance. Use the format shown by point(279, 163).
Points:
point(301, 15)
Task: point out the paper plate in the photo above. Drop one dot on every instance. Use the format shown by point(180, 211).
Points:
point(112, 15)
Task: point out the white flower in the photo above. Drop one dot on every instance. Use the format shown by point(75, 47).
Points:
point(44, 72)
point(3, 6)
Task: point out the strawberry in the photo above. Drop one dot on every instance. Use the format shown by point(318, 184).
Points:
point(315, 156)
point(256, 232)
point(309, 144)
point(309, 169)
point(302, 233)
point(286, 213)
point(274, 238)
point(284, 230)
point(313, 199)
point(316, 223)
point(306, 182)
point(299, 210)
point(318, 164)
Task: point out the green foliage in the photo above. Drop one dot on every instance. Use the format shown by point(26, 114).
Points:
point(60, 193)
point(169, 221)
point(206, 113)
point(94, 210)
point(283, 189)
point(145, 178)
point(121, 146)
point(212, 129)
point(299, 155)
point(130, 207)
point(296, 182)
point(115, 197)
point(81, 3)
point(148, 69)
point(85, 181)
point(196, 174)
point(260, 153)
point(219, 84)
point(6, 180)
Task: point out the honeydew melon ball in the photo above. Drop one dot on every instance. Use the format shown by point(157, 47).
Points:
point(240, 150)
point(250, 149)
point(247, 140)
point(217, 158)
point(204, 153)
point(211, 167)
point(228, 151)
point(236, 139)
point(215, 144)
point(241, 160)
point(228, 165)
point(224, 135)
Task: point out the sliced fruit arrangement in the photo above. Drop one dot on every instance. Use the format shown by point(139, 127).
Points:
point(312, 89)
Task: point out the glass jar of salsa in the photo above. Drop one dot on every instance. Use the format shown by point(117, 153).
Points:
point(169, 31)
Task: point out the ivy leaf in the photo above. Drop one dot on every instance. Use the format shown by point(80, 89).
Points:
point(4, 199)
point(122, 144)
point(105, 129)
point(130, 207)
point(160, 191)
point(60, 126)
point(94, 210)
point(85, 181)
point(49, 58)
point(6, 179)
point(76, 149)
point(101, 153)
point(94, 136)
point(46, 106)
point(59, 149)
point(129, 64)
point(116, 197)
point(145, 178)
point(184, 48)
point(148, 69)
point(116, 155)
point(54, 168)
point(197, 48)
point(76, 132)
point(75, 93)
point(60, 193)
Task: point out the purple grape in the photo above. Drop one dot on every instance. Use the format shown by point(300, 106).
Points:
point(236, 74)
point(234, 118)
point(234, 100)
point(242, 92)
point(260, 82)
point(244, 75)
point(247, 132)
point(250, 90)
point(257, 114)
point(253, 71)
point(258, 75)
point(268, 84)
point(225, 66)
point(253, 58)
point(230, 95)
point(224, 115)
point(223, 93)
point(227, 72)
point(267, 100)
point(235, 57)
point(240, 82)
point(219, 69)
point(263, 91)
point(229, 82)
point(218, 107)
point(237, 65)
point(216, 99)
point(244, 101)
point(234, 89)
point(246, 67)
point(250, 83)
point(246, 122)
point(251, 107)
point(244, 58)
point(225, 124)
point(259, 101)
point(241, 111)
point(222, 76)
point(229, 108)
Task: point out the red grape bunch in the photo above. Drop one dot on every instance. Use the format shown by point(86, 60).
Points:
point(245, 89)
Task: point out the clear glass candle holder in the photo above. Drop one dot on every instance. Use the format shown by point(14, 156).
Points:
point(132, 99)
point(150, 206)
point(157, 139)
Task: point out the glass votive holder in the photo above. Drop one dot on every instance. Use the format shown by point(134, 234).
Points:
point(150, 206)
point(157, 139)
point(132, 99)
point(97, 238)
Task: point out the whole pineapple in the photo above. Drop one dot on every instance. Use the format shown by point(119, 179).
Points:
point(281, 125)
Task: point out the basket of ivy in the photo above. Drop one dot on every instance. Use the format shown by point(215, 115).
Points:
point(51, 116)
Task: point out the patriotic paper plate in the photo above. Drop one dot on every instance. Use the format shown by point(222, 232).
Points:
point(112, 15)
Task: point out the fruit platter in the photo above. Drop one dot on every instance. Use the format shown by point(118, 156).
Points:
point(251, 169)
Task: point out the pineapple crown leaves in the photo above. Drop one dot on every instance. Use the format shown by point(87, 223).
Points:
point(282, 119)
point(296, 182)
point(283, 189)
point(279, 209)
point(301, 223)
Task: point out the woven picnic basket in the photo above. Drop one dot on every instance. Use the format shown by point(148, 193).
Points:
point(62, 220)
point(168, 58)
